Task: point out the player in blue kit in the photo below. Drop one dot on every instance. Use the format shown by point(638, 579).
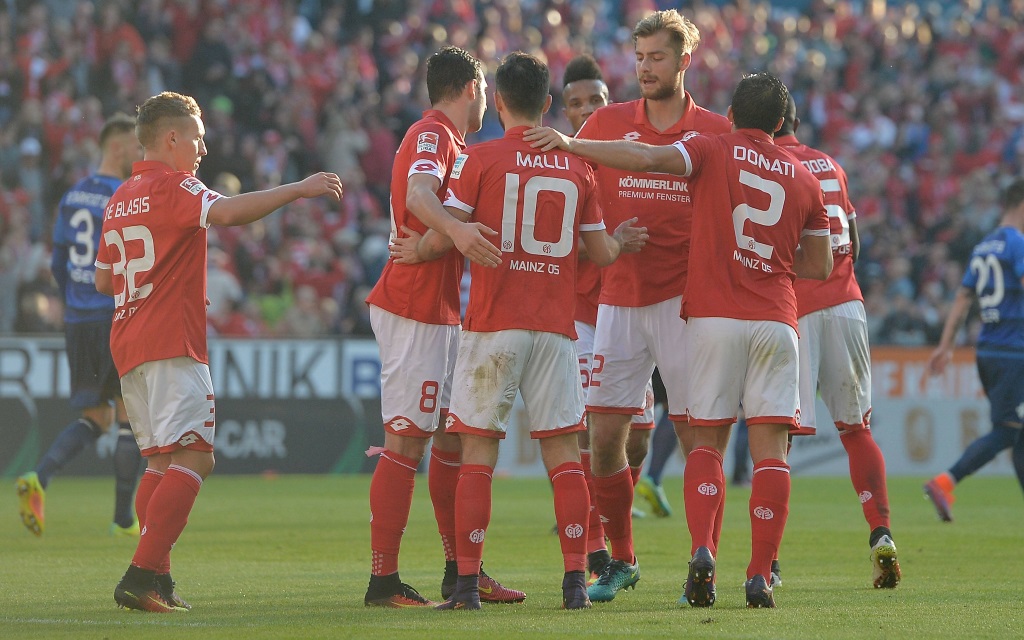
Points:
point(995, 277)
point(87, 318)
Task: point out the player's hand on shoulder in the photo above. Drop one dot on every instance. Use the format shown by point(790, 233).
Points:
point(470, 241)
point(403, 249)
point(631, 238)
point(321, 184)
point(546, 139)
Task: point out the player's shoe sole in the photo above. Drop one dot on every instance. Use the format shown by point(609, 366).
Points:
point(942, 499)
point(405, 597)
point(759, 593)
point(118, 531)
point(31, 503)
point(886, 567)
point(699, 590)
point(616, 576)
point(654, 494)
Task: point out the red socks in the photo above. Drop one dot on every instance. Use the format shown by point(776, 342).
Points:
point(166, 516)
point(704, 497)
point(615, 503)
point(442, 478)
point(472, 515)
point(769, 508)
point(150, 481)
point(867, 471)
point(572, 510)
point(390, 501)
point(595, 532)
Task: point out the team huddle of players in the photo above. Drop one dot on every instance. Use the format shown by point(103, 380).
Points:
point(729, 237)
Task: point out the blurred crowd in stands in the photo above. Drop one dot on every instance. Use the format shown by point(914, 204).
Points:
point(922, 104)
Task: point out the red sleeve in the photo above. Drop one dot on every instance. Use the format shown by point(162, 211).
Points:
point(433, 153)
point(591, 214)
point(817, 219)
point(464, 183)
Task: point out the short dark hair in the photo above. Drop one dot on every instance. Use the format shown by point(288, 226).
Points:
point(163, 106)
point(759, 102)
point(448, 72)
point(115, 125)
point(582, 67)
point(523, 82)
point(1013, 195)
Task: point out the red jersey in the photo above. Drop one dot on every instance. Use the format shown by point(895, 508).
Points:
point(588, 291)
point(841, 286)
point(661, 202)
point(540, 202)
point(154, 240)
point(427, 292)
point(755, 201)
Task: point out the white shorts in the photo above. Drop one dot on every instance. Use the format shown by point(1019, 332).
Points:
point(492, 366)
point(628, 343)
point(753, 362)
point(585, 352)
point(170, 405)
point(835, 360)
point(416, 365)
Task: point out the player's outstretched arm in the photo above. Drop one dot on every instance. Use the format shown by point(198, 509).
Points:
point(813, 259)
point(957, 312)
point(468, 237)
point(604, 249)
point(249, 207)
point(618, 154)
point(415, 248)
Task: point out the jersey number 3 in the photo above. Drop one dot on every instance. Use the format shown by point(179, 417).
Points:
point(130, 269)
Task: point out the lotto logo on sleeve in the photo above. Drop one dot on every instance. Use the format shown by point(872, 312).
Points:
point(192, 185)
point(427, 142)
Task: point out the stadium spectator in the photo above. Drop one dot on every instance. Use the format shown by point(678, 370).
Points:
point(947, 75)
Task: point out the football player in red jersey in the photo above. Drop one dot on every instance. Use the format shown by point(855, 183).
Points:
point(414, 311)
point(759, 223)
point(519, 331)
point(835, 359)
point(638, 322)
point(152, 260)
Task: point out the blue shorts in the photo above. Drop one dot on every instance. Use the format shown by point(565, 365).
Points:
point(94, 379)
point(1002, 377)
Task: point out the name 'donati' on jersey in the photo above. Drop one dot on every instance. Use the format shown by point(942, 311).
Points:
point(754, 157)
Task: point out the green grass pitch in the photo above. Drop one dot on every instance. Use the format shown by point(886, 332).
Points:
point(288, 557)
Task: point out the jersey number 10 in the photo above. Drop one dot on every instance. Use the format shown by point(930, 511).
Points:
point(531, 192)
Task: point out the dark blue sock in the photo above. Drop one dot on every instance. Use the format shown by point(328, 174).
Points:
point(126, 475)
point(663, 445)
point(75, 437)
point(1018, 458)
point(981, 451)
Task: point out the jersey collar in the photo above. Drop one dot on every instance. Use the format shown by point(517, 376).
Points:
point(516, 132)
point(439, 115)
point(787, 141)
point(686, 123)
point(757, 134)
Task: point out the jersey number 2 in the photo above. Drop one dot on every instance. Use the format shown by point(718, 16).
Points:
point(130, 269)
point(764, 217)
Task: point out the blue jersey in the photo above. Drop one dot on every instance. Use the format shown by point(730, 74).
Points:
point(994, 274)
point(76, 238)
